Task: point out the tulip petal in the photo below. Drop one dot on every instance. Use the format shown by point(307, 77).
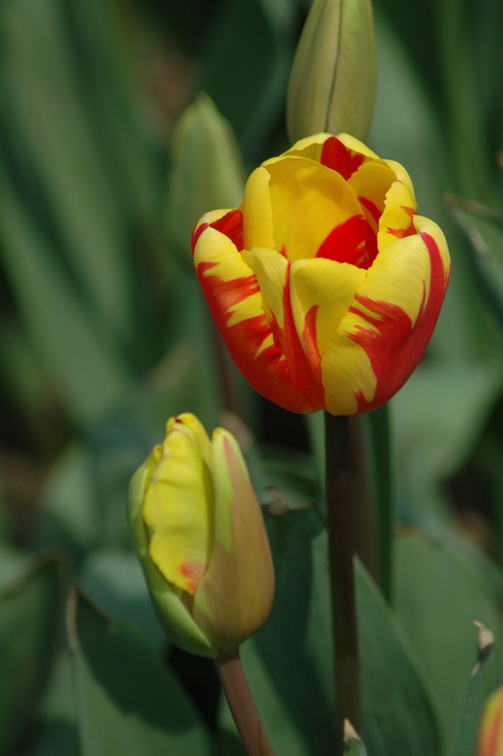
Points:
point(490, 740)
point(232, 291)
point(235, 595)
point(178, 508)
point(321, 292)
point(384, 334)
point(397, 219)
point(310, 147)
point(169, 601)
point(308, 202)
point(271, 270)
point(257, 211)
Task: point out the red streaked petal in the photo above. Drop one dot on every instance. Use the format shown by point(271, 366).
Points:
point(346, 243)
point(394, 346)
point(232, 226)
point(339, 158)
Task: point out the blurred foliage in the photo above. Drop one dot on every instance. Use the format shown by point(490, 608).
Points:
point(105, 334)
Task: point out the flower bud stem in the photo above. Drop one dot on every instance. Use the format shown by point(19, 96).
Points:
point(340, 552)
point(242, 705)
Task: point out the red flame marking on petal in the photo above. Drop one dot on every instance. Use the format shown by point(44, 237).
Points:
point(304, 367)
point(231, 225)
point(410, 230)
point(346, 242)
point(196, 234)
point(338, 157)
point(193, 571)
point(394, 348)
point(268, 372)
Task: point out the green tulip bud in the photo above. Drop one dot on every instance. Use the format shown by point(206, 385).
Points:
point(333, 81)
point(207, 169)
point(201, 539)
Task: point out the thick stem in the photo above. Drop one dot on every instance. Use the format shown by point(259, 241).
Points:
point(341, 551)
point(242, 705)
point(362, 506)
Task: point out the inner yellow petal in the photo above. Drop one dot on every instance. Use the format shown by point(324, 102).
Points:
point(308, 202)
point(178, 510)
point(270, 268)
point(257, 211)
point(370, 183)
point(329, 286)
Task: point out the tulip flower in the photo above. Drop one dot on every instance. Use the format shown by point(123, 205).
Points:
point(490, 740)
point(325, 284)
point(200, 536)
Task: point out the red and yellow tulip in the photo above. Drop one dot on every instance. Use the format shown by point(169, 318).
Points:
point(490, 741)
point(201, 539)
point(325, 284)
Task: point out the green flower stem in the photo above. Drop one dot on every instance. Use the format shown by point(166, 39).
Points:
point(362, 506)
point(242, 705)
point(340, 552)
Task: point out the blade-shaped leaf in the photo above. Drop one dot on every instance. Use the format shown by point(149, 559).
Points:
point(481, 683)
point(438, 593)
point(127, 702)
point(30, 615)
point(398, 717)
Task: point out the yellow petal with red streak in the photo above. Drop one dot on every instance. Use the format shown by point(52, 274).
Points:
point(271, 269)
point(396, 220)
point(329, 286)
point(178, 508)
point(371, 181)
point(257, 211)
point(401, 175)
point(216, 250)
point(399, 280)
point(357, 146)
point(308, 202)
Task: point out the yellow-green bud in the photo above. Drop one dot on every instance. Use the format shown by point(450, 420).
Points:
point(333, 81)
point(207, 169)
point(201, 539)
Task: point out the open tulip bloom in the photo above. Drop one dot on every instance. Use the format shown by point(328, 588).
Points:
point(325, 284)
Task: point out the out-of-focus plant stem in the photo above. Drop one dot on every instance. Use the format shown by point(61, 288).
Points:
point(341, 551)
point(242, 705)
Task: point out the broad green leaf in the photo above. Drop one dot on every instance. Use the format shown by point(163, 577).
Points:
point(481, 683)
point(30, 615)
point(127, 702)
point(114, 580)
point(398, 716)
point(438, 593)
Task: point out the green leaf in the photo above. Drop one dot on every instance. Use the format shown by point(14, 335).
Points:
point(30, 615)
point(353, 744)
point(114, 581)
point(438, 592)
point(483, 229)
point(481, 683)
point(398, 717)
point(127, 701)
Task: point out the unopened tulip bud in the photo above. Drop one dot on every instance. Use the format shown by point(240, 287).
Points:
point(207, 169)
point(201, 539)
point(333, 80)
